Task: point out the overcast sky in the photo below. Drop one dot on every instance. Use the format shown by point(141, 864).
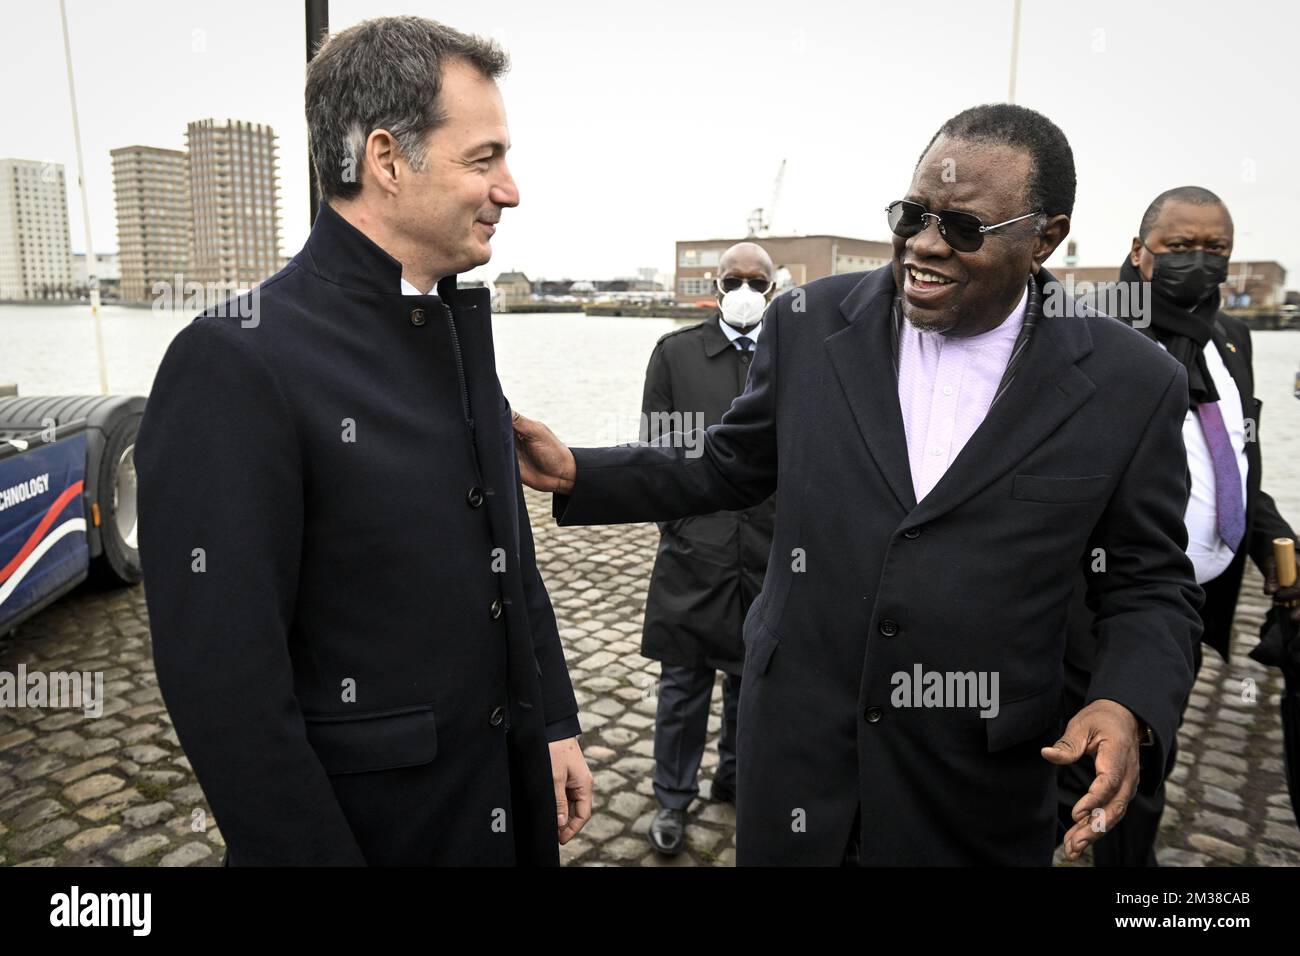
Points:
point(636, 124)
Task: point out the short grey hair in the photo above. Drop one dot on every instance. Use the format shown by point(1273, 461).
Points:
point(384, 73)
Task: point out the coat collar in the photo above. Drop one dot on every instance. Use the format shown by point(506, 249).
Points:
point(343, 255)
point(1047, 389)
point(715, 340)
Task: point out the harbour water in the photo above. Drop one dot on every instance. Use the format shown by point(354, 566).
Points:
point(580, 374)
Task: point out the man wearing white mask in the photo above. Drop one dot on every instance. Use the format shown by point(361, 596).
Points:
point(709, 568)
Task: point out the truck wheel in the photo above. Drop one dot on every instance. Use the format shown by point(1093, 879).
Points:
point(115, 497)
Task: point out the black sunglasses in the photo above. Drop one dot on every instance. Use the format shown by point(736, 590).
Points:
point(732, 283)
point(961, 230)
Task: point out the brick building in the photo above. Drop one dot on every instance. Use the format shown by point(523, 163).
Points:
point(804, 258)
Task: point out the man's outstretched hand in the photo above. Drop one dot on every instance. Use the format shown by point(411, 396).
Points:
point(1109, 733)
point(545, 462)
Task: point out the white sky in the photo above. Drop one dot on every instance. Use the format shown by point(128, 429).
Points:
point(636, 124)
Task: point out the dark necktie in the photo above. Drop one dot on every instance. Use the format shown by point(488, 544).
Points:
point(1229, 509)
point(745, 343)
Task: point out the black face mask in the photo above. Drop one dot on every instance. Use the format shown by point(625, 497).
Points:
point(1188, 278)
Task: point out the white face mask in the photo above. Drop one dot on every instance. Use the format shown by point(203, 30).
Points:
point(742, 307)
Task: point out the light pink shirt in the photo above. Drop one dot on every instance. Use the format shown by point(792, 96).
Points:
point(945, 388)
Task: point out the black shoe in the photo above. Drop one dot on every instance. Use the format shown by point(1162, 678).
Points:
point(722, 792)
point(668, 831)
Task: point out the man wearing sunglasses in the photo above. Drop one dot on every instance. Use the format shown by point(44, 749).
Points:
point(709, 567)
point(947, 448)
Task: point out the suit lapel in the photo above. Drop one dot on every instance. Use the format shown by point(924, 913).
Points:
point(1235, 362)
point(1047, 389)
point(862, 356)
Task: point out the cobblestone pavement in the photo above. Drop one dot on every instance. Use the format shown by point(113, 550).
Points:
point(117, 790)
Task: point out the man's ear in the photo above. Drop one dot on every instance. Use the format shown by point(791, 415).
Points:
point(1051, 236)
point(1135, 253)
point(381, 160)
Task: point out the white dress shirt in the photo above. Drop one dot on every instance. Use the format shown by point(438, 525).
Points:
point(945, 388)
point(734, 334)
point(408, 289)
point(1209, 553)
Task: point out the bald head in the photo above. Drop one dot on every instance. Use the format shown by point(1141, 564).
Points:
point(746, 260)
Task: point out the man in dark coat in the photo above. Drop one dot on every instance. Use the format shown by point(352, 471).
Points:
point(1182, 250)
point(710, 567)
point(945, 445)
point(349, 628)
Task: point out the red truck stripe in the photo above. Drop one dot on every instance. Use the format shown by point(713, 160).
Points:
point(59, 504)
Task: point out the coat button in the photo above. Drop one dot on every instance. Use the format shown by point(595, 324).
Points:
point(475, 497)
point(912, 533)
point(495, 610)
point(873, 715)
point(888, 628)
point(498, 715)
point(417, 316)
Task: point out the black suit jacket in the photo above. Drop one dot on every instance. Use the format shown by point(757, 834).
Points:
point(865, 584)
point(1231, 337)
point(709, 568)
point(349, 628)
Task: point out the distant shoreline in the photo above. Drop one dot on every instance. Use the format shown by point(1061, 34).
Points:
point(1257, 320)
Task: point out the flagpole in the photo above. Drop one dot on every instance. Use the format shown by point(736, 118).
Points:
point(1015, 50)
point(92, 273)
point(318, 28)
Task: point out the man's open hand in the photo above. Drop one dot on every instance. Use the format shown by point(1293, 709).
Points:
point(1109, 733)
point(545, 462)
point(573, 787)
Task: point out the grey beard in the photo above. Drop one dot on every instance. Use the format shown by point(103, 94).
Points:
point(926, 327)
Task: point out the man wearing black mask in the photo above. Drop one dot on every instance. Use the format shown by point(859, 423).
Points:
point(1182, 250)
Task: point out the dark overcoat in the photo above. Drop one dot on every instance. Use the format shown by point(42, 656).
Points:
point(349, 628)
point(709, 568)
point(865, 584)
